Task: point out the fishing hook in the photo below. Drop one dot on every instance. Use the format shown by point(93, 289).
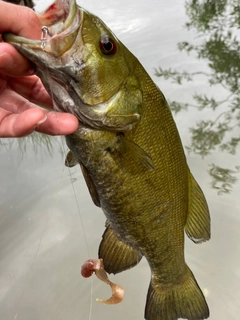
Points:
point(44, 37)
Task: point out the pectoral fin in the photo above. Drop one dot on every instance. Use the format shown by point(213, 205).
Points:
point(197, 226)
point(137, 153)
point(117, 255)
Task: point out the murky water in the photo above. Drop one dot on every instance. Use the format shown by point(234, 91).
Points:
point(46, 234)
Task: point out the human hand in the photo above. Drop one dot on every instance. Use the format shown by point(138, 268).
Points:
point(20, 89)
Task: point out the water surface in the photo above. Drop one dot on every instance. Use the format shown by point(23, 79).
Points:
point(46, 234)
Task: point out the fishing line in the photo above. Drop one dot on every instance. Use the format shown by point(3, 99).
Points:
point(84, 235)
point(76, 200)
point(44, 229)
point(64, 152)
point(79, 212)
point(39, 245)
point(44, 39)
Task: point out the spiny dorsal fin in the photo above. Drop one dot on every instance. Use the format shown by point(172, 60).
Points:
point(197, 226)
point(116, 254)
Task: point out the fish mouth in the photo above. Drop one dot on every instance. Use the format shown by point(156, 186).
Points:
point(61, 23)
point(52, 54)
point(62, 60)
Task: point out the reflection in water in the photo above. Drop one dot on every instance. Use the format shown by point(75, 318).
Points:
point(37, 140)
point(40, 144)
point(217, 24)
point(223, 178)
point(42, 244)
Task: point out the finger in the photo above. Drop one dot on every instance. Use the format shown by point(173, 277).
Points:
point(13, 63)
point(19, 20)
point(19, 125)
point(58, 123)
point(15, 103)
point(32, 89)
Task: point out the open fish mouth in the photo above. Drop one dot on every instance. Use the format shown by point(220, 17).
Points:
point(76, 59)
point(61, 23)
point(52, 55)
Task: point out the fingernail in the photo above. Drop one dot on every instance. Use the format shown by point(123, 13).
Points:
point(41, 121)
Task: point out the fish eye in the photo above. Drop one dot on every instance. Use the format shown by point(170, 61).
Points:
point(108, 46)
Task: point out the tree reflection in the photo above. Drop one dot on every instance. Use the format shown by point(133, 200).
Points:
point(36, 142)
point(217, 23)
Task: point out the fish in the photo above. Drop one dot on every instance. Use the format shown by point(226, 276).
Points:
point(130, 154)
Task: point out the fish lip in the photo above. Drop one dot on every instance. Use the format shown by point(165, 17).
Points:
point(14, 39)
point(58, 34)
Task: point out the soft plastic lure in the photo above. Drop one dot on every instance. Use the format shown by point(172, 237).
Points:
point(97, 266)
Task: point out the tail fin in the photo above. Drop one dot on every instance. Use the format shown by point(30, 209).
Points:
point(171, 302)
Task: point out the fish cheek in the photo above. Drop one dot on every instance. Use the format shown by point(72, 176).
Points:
point(101, 76)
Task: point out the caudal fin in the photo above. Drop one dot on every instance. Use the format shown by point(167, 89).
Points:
point(171, 302)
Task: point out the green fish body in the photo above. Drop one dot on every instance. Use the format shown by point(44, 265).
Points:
point(131, 156)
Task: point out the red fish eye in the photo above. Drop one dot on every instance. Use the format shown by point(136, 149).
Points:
point(108, 46)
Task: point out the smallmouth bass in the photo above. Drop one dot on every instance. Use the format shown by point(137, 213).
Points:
point(130, 153)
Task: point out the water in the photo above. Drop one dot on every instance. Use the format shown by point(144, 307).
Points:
point(44, 239)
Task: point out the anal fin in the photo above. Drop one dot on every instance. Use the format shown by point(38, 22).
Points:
point(197, 226)
point(117, 255)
